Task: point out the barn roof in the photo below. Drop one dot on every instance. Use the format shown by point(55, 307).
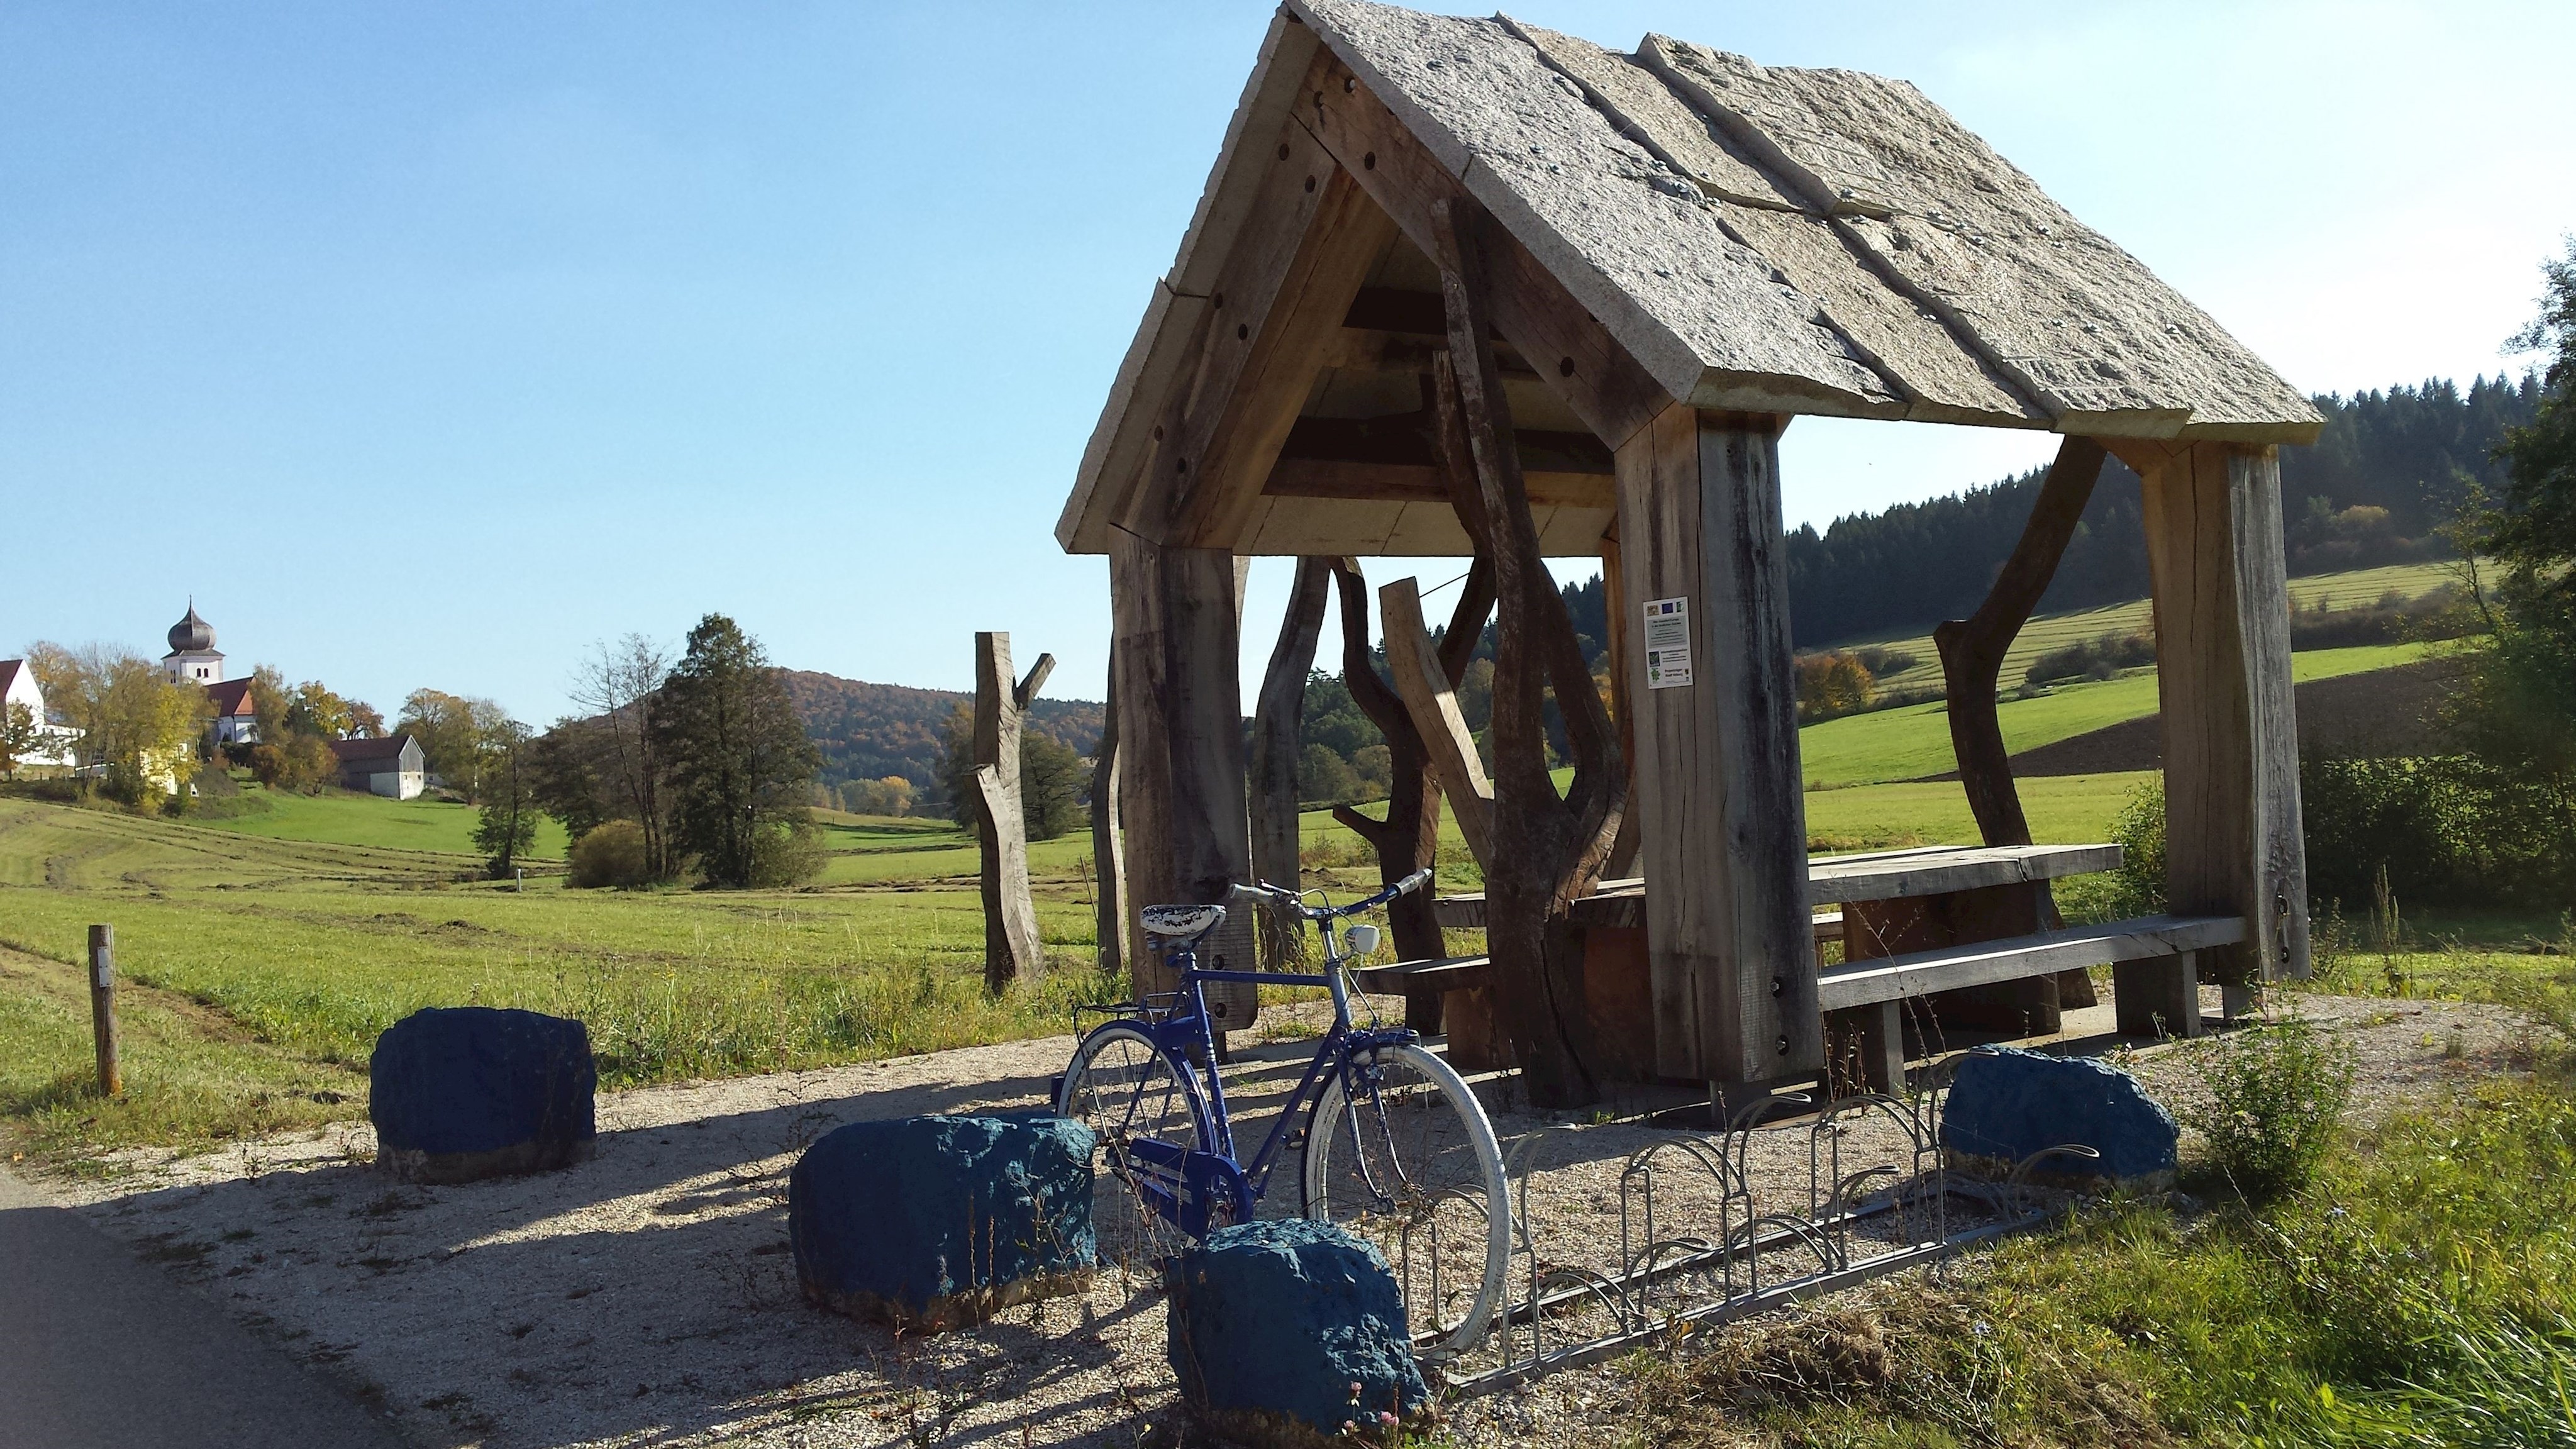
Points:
point(1755, 238)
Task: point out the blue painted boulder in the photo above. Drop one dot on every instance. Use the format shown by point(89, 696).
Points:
point(1287, 1327)
point(464, 1092)
point(2006, 1104)
point(933, 1222)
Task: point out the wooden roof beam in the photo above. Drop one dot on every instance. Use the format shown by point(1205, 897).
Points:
point(1570, 350)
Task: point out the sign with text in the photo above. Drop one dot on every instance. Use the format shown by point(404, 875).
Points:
point(1668, 656)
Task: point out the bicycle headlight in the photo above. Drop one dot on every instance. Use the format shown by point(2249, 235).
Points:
point(1362, 940)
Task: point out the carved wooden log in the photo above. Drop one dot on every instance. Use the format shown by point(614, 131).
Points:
point(1972, 659)
point(1546, 849)
point(1274, 746)
point(1108, 850)
point(1431, 703)
point(1408, 838)
point(1012, 949)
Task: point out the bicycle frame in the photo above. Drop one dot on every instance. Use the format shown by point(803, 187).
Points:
point(1184, 1037)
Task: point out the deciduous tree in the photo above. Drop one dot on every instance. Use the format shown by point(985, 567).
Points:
point(507, 826)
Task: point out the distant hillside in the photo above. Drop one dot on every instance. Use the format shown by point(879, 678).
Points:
point(869, 731)
point(2370, 492)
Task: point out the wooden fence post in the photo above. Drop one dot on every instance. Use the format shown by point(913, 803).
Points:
point(102, 1008)
point(1012, 951)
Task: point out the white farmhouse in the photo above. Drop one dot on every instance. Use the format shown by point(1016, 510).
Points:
point(392, 767)
point(18, 687)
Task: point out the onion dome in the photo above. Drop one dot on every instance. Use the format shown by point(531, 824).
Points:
point(192, 635)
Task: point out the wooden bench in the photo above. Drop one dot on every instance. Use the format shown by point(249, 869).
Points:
point(2155, 980)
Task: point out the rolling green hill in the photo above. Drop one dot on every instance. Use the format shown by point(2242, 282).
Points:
point(1912, 742)
point(2053, 631)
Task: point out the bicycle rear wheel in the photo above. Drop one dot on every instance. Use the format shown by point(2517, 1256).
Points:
point(1406, 1159)
point(1126, 1090)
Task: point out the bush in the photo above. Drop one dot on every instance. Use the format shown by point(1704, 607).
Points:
point(2450, 828)
point(2092, 658)
point(787, 855)
point(610, 854)
point(2276, 1096)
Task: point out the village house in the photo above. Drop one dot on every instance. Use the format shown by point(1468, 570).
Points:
point(18, 686)
point(392, 766)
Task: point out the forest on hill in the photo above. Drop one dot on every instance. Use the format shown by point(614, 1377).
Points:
point(868, 732)
point(2388, 471)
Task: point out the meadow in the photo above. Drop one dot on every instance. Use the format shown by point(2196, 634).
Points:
point(2045, 632)
point(263, 951)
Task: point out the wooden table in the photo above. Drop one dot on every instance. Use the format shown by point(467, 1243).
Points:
point(1895, 907)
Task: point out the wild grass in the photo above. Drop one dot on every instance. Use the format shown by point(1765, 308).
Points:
point(2418, 1293)
point(260, 971)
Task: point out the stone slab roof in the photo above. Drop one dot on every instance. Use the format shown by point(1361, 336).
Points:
point(1758, 238)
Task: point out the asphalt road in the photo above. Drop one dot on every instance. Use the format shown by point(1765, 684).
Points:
point(100, 1350)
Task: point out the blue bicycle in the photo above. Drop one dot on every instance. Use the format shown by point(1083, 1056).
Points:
point(1393, 1145)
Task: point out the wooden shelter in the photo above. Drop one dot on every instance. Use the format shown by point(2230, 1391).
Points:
point(1660, 257)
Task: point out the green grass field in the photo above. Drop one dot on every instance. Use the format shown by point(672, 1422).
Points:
point(1912, 742)
point(340, 817)
point(2054, 631)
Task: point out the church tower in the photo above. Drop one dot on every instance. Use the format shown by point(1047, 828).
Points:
point(193, 658)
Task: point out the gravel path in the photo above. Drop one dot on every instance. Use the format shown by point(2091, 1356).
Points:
point(647, 1296)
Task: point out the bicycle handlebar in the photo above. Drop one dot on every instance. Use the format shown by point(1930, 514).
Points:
point(1297, 900)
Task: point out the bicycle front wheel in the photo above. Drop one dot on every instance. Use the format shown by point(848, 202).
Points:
point(1123, 1087)
point(1402, 1155)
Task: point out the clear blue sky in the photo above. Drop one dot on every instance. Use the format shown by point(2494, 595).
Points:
point(426, 344)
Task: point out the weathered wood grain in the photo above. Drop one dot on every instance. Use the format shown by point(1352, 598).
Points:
point(1108, 844)
point(1442, 973)
point(2104, 343)
point(1833, 879)
point(1631, 239)
point(1979, 963)
point(1722, 814)
point(1431, 702)
point(1275, 721)
point(1638, 103)
point(1972, 649)
point(1422, 483)
point(1013, 951)
point(1942, 379)
point(1606, 385)
point(1547, 848)
point(2216, 561)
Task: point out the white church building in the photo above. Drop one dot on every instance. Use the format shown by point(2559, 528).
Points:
point(194, 659)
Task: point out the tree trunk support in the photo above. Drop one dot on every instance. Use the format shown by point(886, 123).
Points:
point(1274, 748)
point(1012, 949)
point(1408, 838)
point(1547, 849)
point(1972, 660)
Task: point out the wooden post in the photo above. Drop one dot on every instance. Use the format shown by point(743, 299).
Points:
point(1012, 949)
point(1182, 783)
point(2233, 842)
point(1274, 745)
point(1623, 704)
point(1723, 818)
point(102, 1008)
point(1108, 855)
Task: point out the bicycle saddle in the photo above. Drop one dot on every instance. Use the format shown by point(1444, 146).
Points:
point(1180, 920)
